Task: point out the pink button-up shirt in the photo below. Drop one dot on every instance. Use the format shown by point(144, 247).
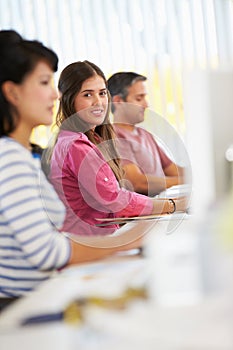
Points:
point(88, 187)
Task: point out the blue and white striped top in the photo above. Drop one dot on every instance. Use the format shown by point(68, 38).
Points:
point(31, 213)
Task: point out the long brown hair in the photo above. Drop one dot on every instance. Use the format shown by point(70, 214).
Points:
point(69, 85)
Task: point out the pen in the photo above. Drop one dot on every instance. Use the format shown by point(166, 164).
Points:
point(72, 314)
point(43, 318)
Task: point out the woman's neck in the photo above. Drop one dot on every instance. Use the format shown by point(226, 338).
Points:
point(22, 136)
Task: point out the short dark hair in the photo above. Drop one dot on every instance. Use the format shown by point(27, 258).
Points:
point(119, 83)
point(18, 57)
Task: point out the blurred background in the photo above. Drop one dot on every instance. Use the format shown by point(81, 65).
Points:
point(158, 38)
point(185, 48)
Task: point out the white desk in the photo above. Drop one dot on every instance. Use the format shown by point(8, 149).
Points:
point(205, 324)
point(143, 324)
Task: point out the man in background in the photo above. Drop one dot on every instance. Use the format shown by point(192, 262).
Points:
point(148, 169)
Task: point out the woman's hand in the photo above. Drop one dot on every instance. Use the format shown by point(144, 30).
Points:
point(170, 205)
point(182, 203)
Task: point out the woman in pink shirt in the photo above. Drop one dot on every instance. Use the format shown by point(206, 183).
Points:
point(84, 167)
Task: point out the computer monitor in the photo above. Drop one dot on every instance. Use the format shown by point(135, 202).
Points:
point(208, 109)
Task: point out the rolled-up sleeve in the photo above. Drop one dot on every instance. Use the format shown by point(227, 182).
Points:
point(99, 186)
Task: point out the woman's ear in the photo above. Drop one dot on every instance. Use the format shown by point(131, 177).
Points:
point(9, 90)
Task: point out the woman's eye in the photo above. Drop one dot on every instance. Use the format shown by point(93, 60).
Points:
point(87, 94)
point(44, 82)
point(103, 93)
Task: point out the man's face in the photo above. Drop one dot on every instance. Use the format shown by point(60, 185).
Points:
point(136, 103)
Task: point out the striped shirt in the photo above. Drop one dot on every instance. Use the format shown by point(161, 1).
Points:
point(31, 214)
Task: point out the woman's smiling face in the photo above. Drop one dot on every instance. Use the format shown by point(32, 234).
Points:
point(91, 102)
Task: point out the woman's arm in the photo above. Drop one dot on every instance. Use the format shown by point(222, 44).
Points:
point(83, 253)
point(23, 205)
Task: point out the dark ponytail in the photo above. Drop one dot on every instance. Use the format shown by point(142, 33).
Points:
point(18, 57)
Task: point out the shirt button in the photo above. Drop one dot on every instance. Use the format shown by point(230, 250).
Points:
point(105, 179)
